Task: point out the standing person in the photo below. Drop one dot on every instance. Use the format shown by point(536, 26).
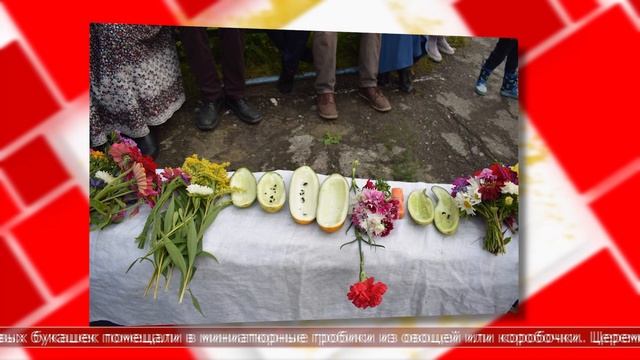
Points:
point(324, 59)
point(135, 82)
point(293, 48)
point(399, 52)
point(437, 44)
point(216, 93)
point(505, 49)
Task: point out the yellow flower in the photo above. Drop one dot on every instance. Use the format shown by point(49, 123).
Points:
point(516, 169)
point(204, 172)
point(98, 154)
point(508, 200)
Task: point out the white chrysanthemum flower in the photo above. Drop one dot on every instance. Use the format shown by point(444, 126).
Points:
point(195, 189)
point(473, 191)
point(510, 188)
point(104, 176)
point(374, 224)
point(464, 203)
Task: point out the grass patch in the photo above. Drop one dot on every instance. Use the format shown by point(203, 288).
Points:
point(457, 41)
point(331, 138)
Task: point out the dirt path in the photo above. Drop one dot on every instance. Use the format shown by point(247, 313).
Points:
point(439, 132)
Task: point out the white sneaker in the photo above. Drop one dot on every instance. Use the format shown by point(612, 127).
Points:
point(444, 46)
point(431, 47)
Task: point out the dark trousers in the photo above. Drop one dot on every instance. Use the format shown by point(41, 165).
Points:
point(292, 45)
point(203, 64)
point(505, 48)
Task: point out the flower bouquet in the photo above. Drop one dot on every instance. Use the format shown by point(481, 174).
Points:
point(493, 194)
point(190, 199)
point(372, 215)
point(120, 181)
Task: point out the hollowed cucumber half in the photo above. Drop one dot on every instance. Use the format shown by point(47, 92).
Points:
point(271, 192)
point(420, 207)
point(333, 203)
point(303, 195)
point(245, 182)
point(447, 214)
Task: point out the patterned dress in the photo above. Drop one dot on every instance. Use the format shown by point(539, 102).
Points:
point(135, 79)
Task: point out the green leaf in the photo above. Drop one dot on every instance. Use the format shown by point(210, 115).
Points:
point(209, 255)
point(175, 220)
point(192, 242)
point(175, 255)
point(98, 206)
point(196, 303)
point(130, 266)
point(165, 262)
point(168, 217)
point(140, 260)
point(347, 243)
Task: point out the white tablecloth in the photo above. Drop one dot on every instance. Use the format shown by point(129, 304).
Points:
point(272, 269)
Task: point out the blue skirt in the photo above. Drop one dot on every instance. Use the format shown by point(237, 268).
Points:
point(399, 51)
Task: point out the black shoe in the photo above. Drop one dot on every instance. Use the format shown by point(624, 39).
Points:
point(406, 83)
point(208, 115)
point(148, 145)
point(285, 81)
point(383, 79)
point(244, 111)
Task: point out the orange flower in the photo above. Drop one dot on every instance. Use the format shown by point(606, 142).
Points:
point(140, 177)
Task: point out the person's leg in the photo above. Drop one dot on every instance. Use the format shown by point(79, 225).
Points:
point(292, 50)
point(202, 64)
point(324, 60)
point(499, 53)
point(368, 63)
point(512, 57)
point(368, 59)
point(432, 48)
point(405, 79)
point(496, 57)
point(444, 47)
point(510, 81)
point(232, 43)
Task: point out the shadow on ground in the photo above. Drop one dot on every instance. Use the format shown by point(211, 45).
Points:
point(441, 131)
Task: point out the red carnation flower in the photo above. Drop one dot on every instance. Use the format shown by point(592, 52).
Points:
point(491, 191)
point(369, 185)
point(149, 165)
point(367, 293)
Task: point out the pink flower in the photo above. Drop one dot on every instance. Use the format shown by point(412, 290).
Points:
point(124, 154)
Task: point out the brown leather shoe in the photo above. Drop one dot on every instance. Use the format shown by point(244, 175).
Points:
point(326, 104)
point(376, 98)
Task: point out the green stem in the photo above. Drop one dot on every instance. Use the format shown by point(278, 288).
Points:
point(119, 195)
point(170, 275)
point(362, 275)
point(109, 188)
point(155, 291)
point(184, 286)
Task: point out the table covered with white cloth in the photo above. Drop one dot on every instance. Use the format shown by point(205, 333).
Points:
point(273, 269)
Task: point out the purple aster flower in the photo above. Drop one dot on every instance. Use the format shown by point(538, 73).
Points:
point(459, 184)
point(96, 183)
